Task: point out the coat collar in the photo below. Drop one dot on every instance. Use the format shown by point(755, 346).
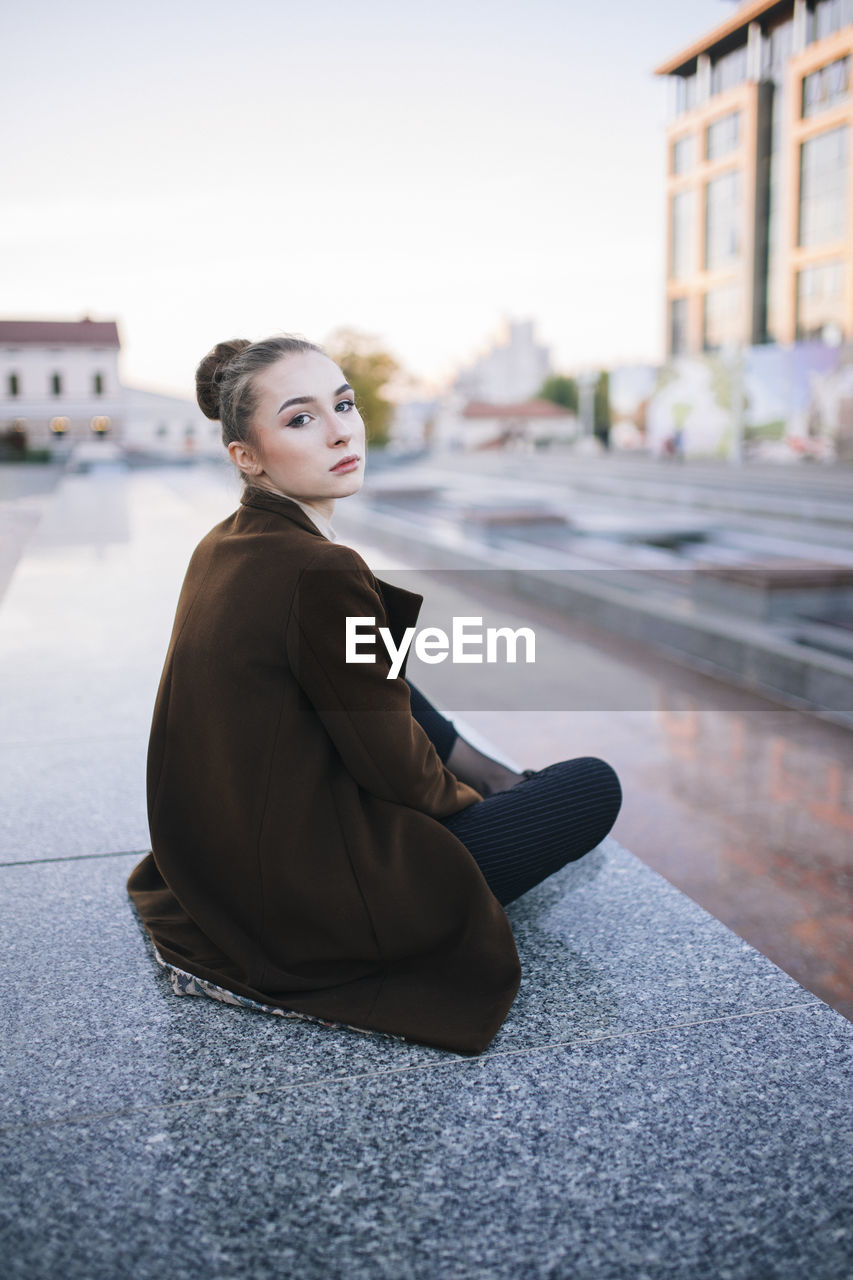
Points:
point(265, 500)
point(402, 607)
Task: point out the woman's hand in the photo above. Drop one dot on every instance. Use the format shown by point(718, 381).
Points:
point(480, 771)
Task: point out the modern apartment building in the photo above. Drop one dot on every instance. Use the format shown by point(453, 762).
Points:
point(760, 211)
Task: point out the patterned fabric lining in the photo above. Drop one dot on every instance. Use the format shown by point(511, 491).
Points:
point(187, 984)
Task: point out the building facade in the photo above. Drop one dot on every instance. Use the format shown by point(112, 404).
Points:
point(59, 382)
point(168, 427)
point(480, 424)
point(760, 234)
point(513, 369)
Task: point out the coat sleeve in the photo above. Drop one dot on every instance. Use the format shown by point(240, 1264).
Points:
point(367, 715)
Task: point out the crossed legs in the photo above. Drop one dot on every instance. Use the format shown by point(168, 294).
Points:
point(523, 833)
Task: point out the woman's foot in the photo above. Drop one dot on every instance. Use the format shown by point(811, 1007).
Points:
point(480, 771)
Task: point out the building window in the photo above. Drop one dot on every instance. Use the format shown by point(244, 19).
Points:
point(729, 70)
point(686, 93)
point(823, 187)
point(820, 300)
point(829, 16)
point(722, 136)
point(678, 326)
point(98, 384)
point(681, 233)
point(56, 384)
point(777, 48)
point(722, 220)
point(683, 154)
point(825, 87)
point(723, 321)
point(13, 385)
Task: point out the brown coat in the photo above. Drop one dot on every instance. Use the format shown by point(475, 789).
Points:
point(293, 800)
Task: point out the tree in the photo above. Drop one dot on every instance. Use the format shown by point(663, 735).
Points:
point(560, 390)
point(368, 369)
point(601, 408)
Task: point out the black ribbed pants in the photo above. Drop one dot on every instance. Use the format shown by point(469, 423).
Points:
point(520, 837)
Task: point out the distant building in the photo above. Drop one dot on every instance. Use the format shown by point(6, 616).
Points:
point(760, 233)
point(412, 424)
point(59, 381)
point(60, 386)
point(169, 427)
point(514, 369)
point(478, 424)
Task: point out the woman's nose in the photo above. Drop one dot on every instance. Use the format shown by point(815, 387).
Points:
point(339, 429)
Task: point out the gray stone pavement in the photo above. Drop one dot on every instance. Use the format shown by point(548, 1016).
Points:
point(662, 1100)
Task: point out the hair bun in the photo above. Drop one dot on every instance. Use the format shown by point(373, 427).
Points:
point(209, 373)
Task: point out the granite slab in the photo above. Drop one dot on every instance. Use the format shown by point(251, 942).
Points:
point(72, 797)
point(77, 703)
point(86, 620)
point(708, 1151)
point(662, 1101)
point(607, 948)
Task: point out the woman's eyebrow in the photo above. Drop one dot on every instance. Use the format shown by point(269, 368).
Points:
point(311, 399)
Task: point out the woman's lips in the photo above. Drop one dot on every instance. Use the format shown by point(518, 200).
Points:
point(347, 464)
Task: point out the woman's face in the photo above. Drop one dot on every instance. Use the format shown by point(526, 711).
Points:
point(307, 432)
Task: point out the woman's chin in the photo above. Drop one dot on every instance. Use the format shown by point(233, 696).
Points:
point(355, 481)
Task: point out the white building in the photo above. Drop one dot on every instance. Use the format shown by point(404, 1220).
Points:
point(169, 427)
point(483, 425)
point(59, 382)
point(511, 372)
point(412, 423)
point(60, 387)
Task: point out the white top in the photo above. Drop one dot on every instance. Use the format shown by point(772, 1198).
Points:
point(314, 516)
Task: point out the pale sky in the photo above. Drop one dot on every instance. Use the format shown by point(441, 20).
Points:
point(201, 171)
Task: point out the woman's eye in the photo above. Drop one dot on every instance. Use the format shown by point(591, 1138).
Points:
point(344, 406)
point(299, 420)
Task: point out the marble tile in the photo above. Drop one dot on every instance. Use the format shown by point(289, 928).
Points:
point(706, 1152)
point(608, 944)
point(92, 1021)
point(80, 651)
point(85, 624)
point(45, 706)
point(72, 798)
point(607, 948)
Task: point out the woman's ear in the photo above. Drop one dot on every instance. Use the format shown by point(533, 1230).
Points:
point(244, 458)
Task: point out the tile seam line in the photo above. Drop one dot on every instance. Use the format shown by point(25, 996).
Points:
point(77, 857)
point(457, 1061)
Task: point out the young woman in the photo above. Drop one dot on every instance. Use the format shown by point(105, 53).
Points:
point(323, 841)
